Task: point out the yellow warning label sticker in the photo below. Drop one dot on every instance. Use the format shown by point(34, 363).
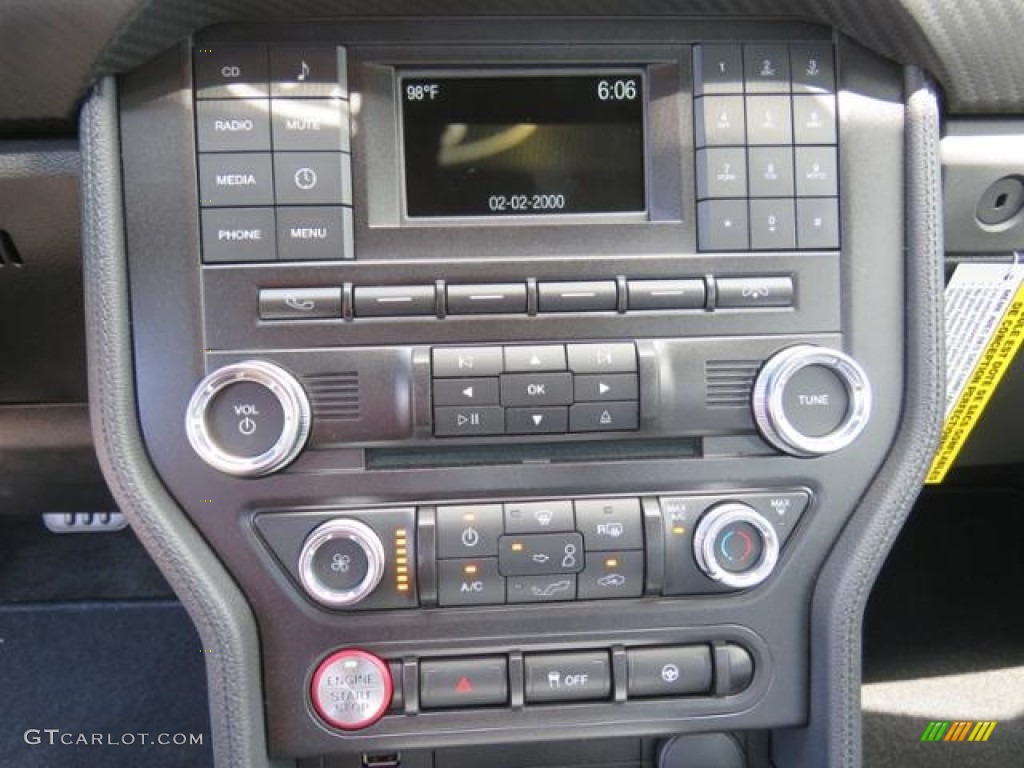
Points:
point(984, 330)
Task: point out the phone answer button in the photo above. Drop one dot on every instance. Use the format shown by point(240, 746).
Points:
point(300, 303)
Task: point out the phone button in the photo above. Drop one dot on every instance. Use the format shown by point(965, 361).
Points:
point(300, 303)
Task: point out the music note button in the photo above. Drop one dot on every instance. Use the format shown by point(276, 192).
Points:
point(315, 72)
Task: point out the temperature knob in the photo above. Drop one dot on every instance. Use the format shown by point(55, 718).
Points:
point(341, 563)
point(811, 401)
point(248, 419)
point(735, 546)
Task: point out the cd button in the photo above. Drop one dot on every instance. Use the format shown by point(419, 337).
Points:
point(394, 301)
point(312, 178)
point(536, 389)
point(299, 303)
point(604, 417)
point(308, 72)
point(230, 72)
point(596, 296)
point(453, 362)
point(470, 582)
point(310, 124)
point(535, 358)
point(536, 421)
point(465, 391)
point(233, 125)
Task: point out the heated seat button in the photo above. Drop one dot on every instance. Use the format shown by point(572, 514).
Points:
point(670, 671)
point(456, 683)
point(567, 677)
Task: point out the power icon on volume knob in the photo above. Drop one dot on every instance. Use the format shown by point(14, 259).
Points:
point(248, 419)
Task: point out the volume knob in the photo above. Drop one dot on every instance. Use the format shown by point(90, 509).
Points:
point(811, 401)
point(248, 419)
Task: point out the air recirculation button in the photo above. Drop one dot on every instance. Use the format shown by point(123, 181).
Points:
point(248, 419)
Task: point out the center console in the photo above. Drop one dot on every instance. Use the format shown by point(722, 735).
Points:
point(522, 373)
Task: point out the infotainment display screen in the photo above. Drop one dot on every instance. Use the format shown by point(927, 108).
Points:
point(543, 144)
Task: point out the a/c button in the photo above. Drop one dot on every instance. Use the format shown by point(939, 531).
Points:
point(470, 582)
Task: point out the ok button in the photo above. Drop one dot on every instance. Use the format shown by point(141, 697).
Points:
point(536, 389)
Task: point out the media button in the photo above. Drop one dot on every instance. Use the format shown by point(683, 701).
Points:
point(470, 582)
point(235, 179)
point(452, 362)
point(313, 72)
point(536, 421)
point(238, 235)
point(299, 303)
point(233, 125)
point(310, 124)
point(225, 72)
point(470, 530)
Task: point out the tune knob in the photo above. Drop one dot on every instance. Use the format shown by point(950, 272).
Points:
point(811, 401)
point(735, 546)
point(248, 419)
point(341, 563)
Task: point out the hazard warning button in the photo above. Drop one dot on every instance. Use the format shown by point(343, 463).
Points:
point(457, 683)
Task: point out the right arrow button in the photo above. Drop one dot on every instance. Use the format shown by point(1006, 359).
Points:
point(602, 387)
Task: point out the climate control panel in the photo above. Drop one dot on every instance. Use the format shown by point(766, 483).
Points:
point(534, 551)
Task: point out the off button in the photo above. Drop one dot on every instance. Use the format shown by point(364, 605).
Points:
point(351, 689)
point(245, 419)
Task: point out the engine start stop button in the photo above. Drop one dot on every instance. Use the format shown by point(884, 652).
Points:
point(351, 689)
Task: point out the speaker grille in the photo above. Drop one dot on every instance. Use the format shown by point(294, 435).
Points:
point(334, 396)
point(730, 383)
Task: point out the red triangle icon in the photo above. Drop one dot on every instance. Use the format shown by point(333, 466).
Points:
point(464, 686)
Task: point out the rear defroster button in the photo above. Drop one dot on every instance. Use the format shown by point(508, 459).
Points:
point(351, 689)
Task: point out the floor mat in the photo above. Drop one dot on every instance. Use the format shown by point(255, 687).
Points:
point(944, 634)
point(113, 684)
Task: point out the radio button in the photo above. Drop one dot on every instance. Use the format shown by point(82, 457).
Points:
point(230, 72)
point(754, 292)
point(312, 178)
point(452, 362)
point(314, 233)
point(721, 172)
point(310, 124)
point(771, 172)
point(469, 530)
point(766, 68)
point(235, 179)
point(772, 225)
point(769, 120)
point(813, 67)
point(594, 296)
point(504, 298)
point(233, 125)
point(817, 223)
point(722, 225)
point(308, 72)
point(469, 422)
point(541, 589)
point(567, 677)
point(611, 575)
point(610, 524)
point(816, 172)
point(238, 235)
point(299, 303)
point(393, 300)
point(536, 421)
point(540, 554)
point(535, 358)
point(466, 392)
point(814, 119)
point(718, 69)
point(470, 582)
point(604, 417)
point(536, 389)
point(612, 386)
point(666, 294)
point(602, 358)
point(720, 121)
point(539, 516)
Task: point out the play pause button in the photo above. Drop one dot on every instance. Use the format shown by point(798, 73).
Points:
point(536, 421)
point(468, 422)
